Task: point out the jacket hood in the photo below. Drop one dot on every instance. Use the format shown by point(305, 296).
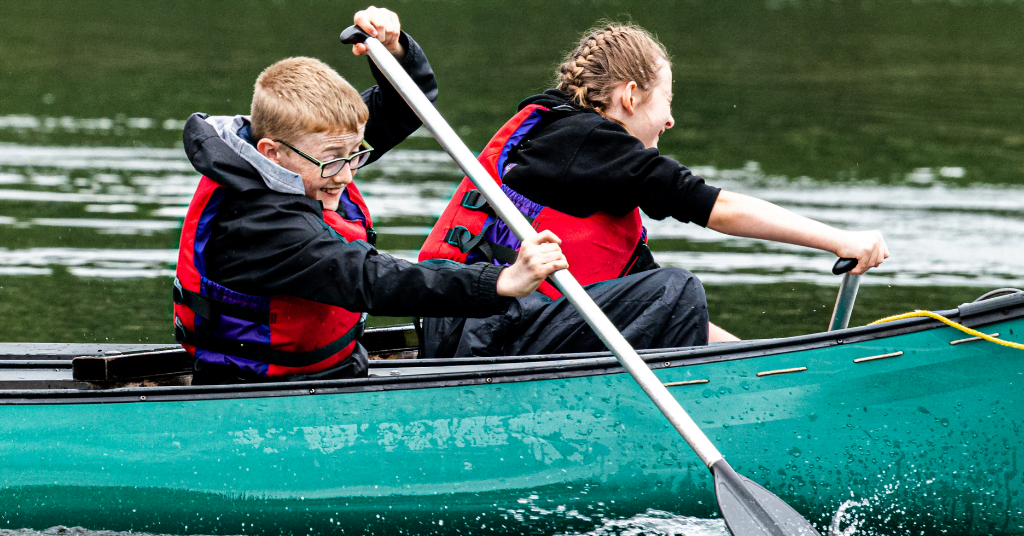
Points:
point(221, 148)
point(551, 98)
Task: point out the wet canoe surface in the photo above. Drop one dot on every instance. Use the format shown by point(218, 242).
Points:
point(929, 438)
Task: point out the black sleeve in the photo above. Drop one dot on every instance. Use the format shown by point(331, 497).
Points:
point(391, 119)
point(606, 169)
point(269, 244)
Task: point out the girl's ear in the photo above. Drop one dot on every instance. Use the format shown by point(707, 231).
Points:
point(268, 148)
point(630, 97)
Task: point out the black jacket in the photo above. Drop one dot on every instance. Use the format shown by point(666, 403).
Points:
point(269, 239)
point(578, 162)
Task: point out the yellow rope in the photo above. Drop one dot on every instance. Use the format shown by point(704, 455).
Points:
point(952, 324)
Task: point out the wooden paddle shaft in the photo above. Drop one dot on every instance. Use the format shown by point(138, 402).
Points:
point(565, 282)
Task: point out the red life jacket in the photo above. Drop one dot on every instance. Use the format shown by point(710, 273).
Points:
point(265, 335)
point(598, 247)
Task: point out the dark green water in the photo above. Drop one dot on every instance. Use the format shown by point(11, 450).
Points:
point(901, 116)
point(904, 116)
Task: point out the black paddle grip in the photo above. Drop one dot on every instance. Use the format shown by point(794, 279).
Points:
point(353, 36)
point(844, 265)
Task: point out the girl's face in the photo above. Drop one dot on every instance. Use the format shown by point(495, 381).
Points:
point(653, 115)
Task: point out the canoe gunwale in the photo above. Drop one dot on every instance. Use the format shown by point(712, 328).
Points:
point(516, 368)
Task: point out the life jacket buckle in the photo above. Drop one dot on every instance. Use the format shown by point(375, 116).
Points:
point(371, 236)
point(458, 236)
point(360, 327)
point(179, 331)
point(179, 296)
point(473, 200)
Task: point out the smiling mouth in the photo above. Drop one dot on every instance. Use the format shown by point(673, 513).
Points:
point(331, 191)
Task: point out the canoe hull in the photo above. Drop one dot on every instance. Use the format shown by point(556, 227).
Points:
point(927, 441)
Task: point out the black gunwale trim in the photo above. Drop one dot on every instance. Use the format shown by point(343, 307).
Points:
point(534, 368)
point(36, 364)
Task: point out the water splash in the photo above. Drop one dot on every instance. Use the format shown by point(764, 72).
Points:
point(844, 516)
point(658, 523)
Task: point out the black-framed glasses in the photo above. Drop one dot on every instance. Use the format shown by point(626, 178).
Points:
point(331, 168)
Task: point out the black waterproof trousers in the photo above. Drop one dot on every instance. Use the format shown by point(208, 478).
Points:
point(661, 308)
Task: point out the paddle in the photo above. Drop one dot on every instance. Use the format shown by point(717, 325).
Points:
point(748, 509)
point(847, 294)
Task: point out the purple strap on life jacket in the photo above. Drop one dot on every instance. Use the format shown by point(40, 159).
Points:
point(352, 212)
point(203, 228)
point(495, 230)
point(515, 138)
point(217, 358)
point(238, 329)
point(224, 294)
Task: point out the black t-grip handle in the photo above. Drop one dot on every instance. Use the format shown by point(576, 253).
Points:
point(844, 265)
point(353, 35)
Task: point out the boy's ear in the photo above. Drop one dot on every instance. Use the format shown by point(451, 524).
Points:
point(268, 148)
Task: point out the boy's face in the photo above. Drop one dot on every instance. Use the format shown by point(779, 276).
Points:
point(322, 146)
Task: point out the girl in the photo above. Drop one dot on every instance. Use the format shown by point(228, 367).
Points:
point(582, 160)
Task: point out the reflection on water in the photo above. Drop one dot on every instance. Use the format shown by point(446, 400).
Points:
point(939, 234)
point(28, 124)
point(74, 214)
point(82, 262)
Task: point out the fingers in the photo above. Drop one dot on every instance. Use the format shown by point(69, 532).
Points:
point(380, 23)
point(539, 257)
point(869, 249)
point(543, 254)
point(545, 237)
point(549, 263)
point(544, 260)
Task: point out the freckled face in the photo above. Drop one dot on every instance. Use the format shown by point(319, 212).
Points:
point(323, 146)
point(654, 115)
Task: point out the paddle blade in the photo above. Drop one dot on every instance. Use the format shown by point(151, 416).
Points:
point(750, 510)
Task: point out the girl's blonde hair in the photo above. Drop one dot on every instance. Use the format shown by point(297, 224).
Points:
point(298, 96)
point(607, 56)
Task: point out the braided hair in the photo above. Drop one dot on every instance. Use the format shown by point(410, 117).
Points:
point(606, 57)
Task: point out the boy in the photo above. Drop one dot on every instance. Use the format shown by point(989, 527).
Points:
point(276, 267)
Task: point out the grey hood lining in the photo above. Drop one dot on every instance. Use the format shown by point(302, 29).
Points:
point(276, 177)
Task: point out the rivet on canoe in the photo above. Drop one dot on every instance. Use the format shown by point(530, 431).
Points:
point(311, 391)
point(970, 339)
point(489, 380)
point(780, 371)
point(687, 382)
point(142, 398)
point(668, 364)
point(874, 357)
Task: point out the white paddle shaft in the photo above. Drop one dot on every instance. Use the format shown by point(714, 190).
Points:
point(844, 302)
point(565, 282)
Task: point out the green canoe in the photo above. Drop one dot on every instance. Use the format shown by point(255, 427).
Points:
point(916, 426)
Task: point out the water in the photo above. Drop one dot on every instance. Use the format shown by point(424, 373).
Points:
point(80, 220)
point(904, 116)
